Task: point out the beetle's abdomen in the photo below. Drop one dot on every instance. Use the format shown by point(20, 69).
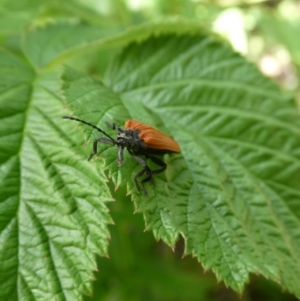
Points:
point(153, 138)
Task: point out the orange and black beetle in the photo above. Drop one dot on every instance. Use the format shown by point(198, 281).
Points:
point(140, 140)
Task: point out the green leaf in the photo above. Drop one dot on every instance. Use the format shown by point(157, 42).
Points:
point(52, 45)
point(53, 217)
point(15, 15)
point(233, 192)
point(59, 42)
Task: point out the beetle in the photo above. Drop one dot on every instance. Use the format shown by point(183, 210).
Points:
point(140, 140)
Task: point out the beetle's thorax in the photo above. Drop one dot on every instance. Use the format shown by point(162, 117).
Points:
point(130, 139)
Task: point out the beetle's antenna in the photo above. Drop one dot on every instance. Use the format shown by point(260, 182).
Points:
point(91, 125)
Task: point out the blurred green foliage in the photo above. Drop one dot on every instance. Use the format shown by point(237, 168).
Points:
point(140, 268)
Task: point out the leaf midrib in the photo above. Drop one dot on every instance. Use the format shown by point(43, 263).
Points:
point(21, 166)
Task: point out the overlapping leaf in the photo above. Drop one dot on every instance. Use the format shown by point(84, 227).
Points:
point(233, 193)
point(52, 217)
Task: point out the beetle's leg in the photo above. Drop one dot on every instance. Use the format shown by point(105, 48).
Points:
point(120, 155)
point(148, 178)
point(103, 140)
point(140, 173)
point(158, 162)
